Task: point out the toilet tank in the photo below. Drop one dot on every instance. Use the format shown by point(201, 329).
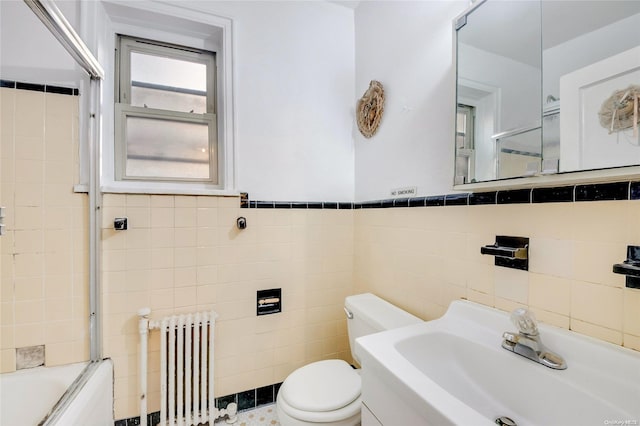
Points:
point(372, 314)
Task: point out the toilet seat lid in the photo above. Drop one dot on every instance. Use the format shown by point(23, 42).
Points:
point(322, 386)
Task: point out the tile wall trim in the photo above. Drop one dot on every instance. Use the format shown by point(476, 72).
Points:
point(561, 194)
point(246, 400)
point(60, 90)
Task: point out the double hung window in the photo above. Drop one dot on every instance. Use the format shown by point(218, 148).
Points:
point(165, 113)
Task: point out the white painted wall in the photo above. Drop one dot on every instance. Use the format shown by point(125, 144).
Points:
point(295, 67)
point(408, 47)
point(294, 89)
point(29, 52)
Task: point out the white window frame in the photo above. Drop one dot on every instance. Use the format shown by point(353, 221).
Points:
point(124, 109)
point(172, 24)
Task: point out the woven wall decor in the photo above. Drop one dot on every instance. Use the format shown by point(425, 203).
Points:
point(621, 110)
point(370, 108)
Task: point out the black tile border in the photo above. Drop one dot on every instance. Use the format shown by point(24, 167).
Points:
point(514, 196)
point(456, 200)
point(250, 398)
point(482, 198)
point(246, 400)
point(30, 86)
point(434, 201)
point(634, 191)
point(560, 194)
point(612, 191)
point(603, 191)
point(59, 90)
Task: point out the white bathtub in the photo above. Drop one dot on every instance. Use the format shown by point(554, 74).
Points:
point(58, 395)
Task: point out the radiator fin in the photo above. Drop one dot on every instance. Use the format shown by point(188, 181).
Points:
point(186, 369)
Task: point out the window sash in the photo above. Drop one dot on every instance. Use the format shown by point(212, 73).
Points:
point(124, 111)
point(128, 45)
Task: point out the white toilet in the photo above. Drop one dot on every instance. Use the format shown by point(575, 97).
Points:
point(328, 392)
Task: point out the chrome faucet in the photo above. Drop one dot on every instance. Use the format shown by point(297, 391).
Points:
point(527, 342)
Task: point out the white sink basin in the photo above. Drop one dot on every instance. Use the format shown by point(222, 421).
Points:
point(454, 371)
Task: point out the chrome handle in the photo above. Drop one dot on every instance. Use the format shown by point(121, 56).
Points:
point(510, 337)
point(507, 252)
point(349, 313)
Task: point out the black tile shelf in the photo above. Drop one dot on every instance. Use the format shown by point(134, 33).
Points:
point(634, 191)
point(281, 205)
point(560, 194)
point(515, 196)
point(603, 191)
point(8, 83)
point(456, 200)
point(434, 201)
point(418, 202)
point(482, 198)
point(72, 91)
point(30, 86)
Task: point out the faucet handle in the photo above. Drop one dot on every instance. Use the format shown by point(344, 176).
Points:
point(525, 320)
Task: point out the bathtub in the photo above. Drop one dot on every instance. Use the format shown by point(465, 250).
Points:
point(74, 394)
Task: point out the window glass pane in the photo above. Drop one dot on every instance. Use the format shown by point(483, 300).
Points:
point(162, 148)
point(168, 83)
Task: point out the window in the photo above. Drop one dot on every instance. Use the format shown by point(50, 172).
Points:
point(165, 113)
point(464, 143)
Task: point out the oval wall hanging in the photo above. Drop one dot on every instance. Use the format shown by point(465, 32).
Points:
point(621, 110)
point(370, 108)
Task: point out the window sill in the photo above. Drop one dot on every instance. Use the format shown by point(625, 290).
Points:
point(165, 189)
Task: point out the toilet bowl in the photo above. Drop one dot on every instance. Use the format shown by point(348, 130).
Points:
point(328, 392)
point(321, 392)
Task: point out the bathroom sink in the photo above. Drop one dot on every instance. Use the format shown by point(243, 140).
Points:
point(454, 371)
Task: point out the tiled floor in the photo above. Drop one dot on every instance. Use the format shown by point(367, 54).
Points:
point(264, 415)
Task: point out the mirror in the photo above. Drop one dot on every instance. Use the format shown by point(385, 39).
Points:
point(546, 87)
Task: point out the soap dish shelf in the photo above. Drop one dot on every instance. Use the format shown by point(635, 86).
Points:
point(509, 252)
point(630, 267)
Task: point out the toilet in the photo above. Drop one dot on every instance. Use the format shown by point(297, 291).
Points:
point(328, 392)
